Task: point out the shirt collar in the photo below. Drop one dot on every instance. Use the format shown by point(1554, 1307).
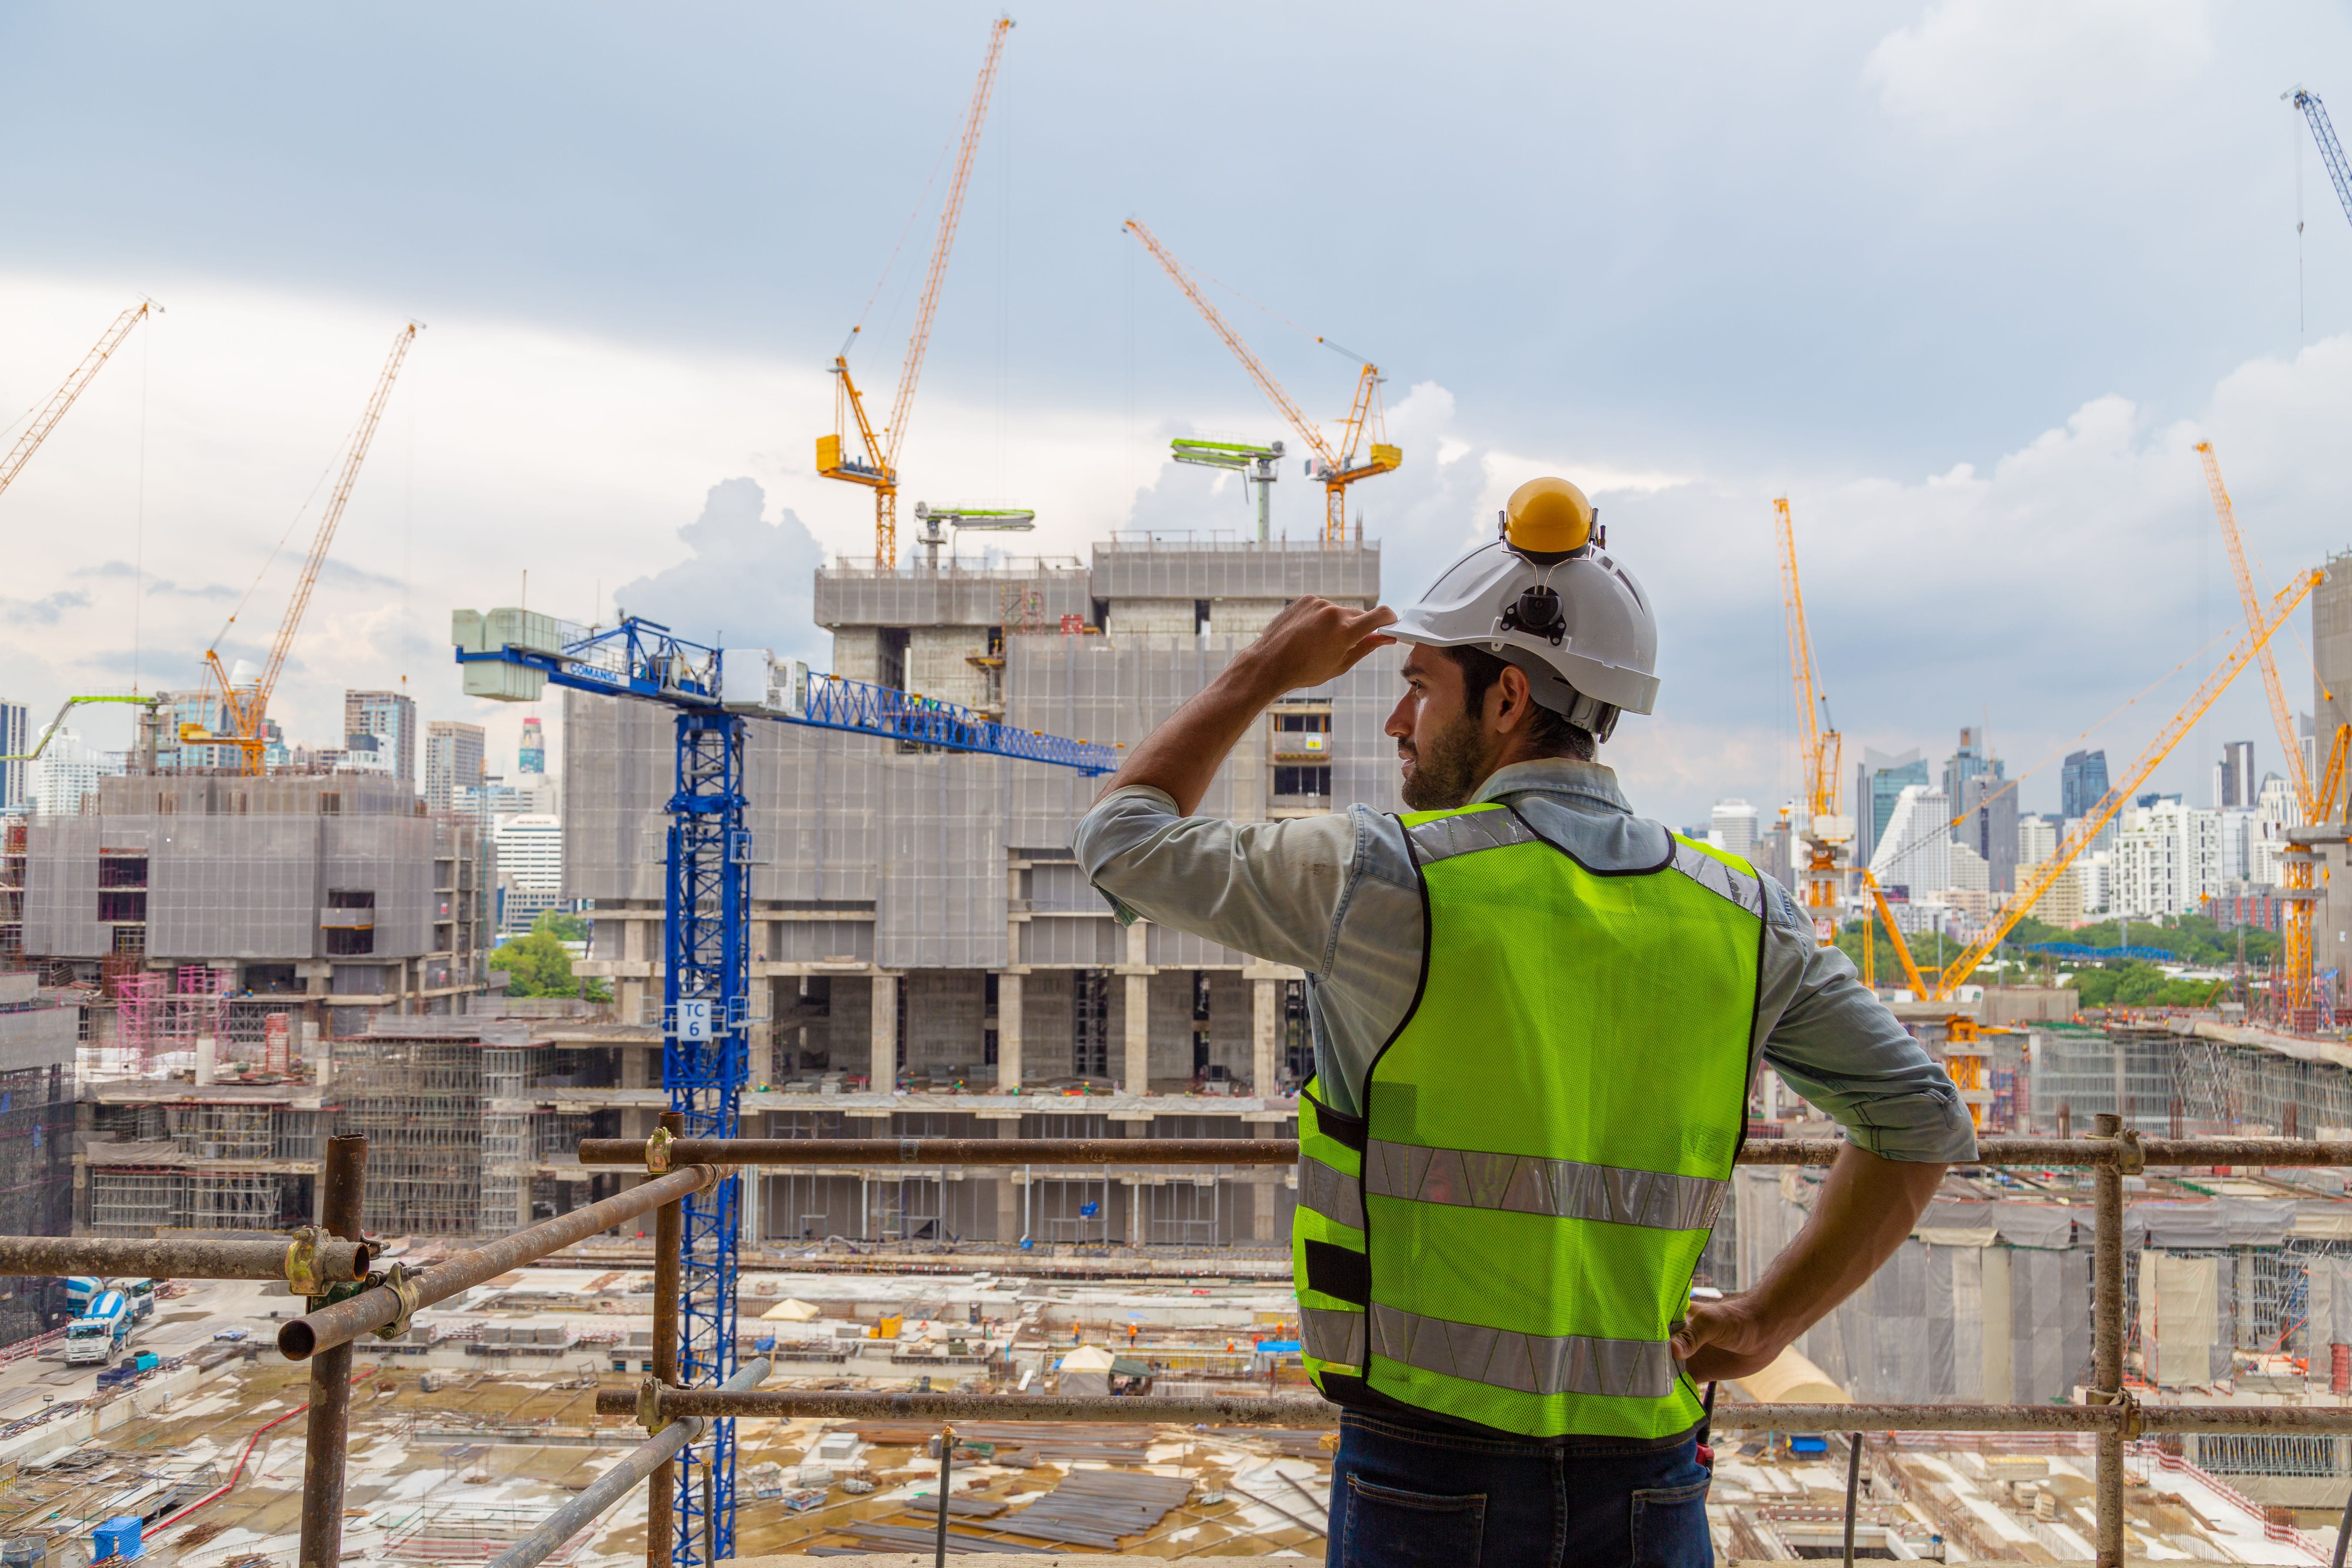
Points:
point(1589, 785)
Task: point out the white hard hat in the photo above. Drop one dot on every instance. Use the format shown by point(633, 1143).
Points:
point(1545, 595)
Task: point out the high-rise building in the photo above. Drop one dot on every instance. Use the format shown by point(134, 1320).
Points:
point(2037, 839)
point(1967, 761)
point(2233, 777)
point(1988, 825)
point(453, 760)
point(1915, 853)
point(2275, 811)
point(530, 756)
point(1733, 824)
point(15, 739)
point(1877, 782)
point(391, 715)
point(67, 769)
point(2082, 783)
point(530, 868)
point(2167, 860)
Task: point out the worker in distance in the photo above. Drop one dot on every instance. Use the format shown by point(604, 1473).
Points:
point(1536, 1018)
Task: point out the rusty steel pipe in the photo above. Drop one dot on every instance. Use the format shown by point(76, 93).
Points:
point(675, 1403)
point(374, 1309)
point(342, 1185)
point(669, 1263)
point(2108, 1341)
point(339, 1261)
point(949, 1151)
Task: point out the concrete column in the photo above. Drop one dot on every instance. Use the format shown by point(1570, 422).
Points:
point(884, 1035)
point(759, 1048)
point(1135, 1072)
point(1262, 1193)
point(1008, 1033)
point(207, 1055)
point(747, 1211)
point(1008, 1191)
point(1266, 1037)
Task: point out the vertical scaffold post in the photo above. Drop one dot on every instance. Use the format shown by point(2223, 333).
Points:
point(342, 1185)
point(669, 1236)
point(705, 990)
point(2107, 1338)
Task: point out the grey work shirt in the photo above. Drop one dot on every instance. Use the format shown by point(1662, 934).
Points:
point(1337, 897)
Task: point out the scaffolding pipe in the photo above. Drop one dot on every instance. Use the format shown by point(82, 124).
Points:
point(947, 1151)
point(334, 1261)
point(2107, 1340)
point(939, 1408)
point(341, 1189)
point(381, 1305)
point(657, 1454)
point(669, 1264)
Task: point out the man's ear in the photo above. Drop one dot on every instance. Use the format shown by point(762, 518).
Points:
point(1510, 696)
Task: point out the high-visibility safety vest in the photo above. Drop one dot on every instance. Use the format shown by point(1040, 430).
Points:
point(1507, 1235)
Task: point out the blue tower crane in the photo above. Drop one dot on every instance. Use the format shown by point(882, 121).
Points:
point(2331, 150)
point(511, 655)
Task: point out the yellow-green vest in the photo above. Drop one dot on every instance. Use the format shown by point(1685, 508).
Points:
point(1507, 1237)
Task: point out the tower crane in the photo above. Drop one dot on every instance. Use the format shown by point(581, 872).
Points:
point(245, 707)
point(878, 469)
point(1336, 466)
point(706, 916)
point(2331, 150)
point(44, 418)
point(2037, 880)
point(1827, 834)
point(2316, 805)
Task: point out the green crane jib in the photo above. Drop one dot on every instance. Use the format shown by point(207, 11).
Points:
point(146, 735)
point(985, 518)
point(1254, 464)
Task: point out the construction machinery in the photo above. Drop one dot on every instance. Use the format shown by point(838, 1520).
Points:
point(878, 469)
point(2331, 152)
point(1826, 836)
point(1364, 429)
point(2293, 995)
point(967, 519)
point(514, 655)
point(245, 703)
point(1257, 465)
point(2036, 880)
point(44, 418)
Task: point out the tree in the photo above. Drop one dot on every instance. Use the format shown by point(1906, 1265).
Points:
point(540, 965)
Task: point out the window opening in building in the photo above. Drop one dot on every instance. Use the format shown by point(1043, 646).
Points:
point(1090, 1023)
point(1303, 782)
point(892, 664)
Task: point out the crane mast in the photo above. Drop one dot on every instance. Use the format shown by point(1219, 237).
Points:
point(1337, 467)
point(45, 419)
point(247, 708)
point(880, 471)
point(1827, 834)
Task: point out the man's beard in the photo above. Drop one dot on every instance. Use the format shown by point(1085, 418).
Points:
point(1446, 770)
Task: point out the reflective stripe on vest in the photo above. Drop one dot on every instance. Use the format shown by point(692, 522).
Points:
point(1450, 835)
point(1523, 1363)
point(1335, 1197)
point(1328, 1334)
point(1522, 1184)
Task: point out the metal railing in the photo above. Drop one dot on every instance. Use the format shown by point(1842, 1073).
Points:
point(331, 1266)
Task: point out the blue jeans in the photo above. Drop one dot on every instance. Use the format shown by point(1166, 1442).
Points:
point(1418, 1496)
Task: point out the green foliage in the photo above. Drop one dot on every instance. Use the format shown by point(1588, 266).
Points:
point(2132, 983)
point(560, 926)
point(538, 965)
point(2197, 941)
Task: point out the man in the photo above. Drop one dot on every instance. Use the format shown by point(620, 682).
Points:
point(1536, 1018)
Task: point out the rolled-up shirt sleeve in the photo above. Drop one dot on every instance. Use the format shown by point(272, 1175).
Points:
point(1838, 1045)
point(1270, 888)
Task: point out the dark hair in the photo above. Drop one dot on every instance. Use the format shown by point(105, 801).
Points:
point(1550, 733)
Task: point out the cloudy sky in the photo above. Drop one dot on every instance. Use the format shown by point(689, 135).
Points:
point(1965, 279)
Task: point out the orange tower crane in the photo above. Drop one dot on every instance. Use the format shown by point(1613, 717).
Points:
point(878, 471)
point(1337, 467)
point(2036, 880)
point(247, 707)
point(44, 418)
point(2317, 805)
point(1828, 835)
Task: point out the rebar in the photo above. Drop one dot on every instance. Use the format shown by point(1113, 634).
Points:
point(338, 1261)
point(770, 1152)
point(342, 1189)
point(381, 1305)
point(658, 1453)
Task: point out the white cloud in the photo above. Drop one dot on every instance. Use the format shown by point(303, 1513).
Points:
point(1974, 65)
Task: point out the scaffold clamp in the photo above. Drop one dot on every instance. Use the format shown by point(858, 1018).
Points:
point(402, 1285)
point(649, 1416)
point(2131, 1160)
point(302, 1263)
point(658, 1152)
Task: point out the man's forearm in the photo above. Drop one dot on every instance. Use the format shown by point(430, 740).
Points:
point(1863, 1212)
point(1183, 755)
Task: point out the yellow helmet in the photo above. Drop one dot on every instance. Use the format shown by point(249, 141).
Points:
point(1548, 517)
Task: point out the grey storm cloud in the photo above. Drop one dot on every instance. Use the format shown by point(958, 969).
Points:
point(748, 583)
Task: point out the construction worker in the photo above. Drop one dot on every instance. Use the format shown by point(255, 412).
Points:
point(1536, 1018)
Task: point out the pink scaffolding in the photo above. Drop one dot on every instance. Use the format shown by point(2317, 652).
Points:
point(139, 1007)
point(199, 1004)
